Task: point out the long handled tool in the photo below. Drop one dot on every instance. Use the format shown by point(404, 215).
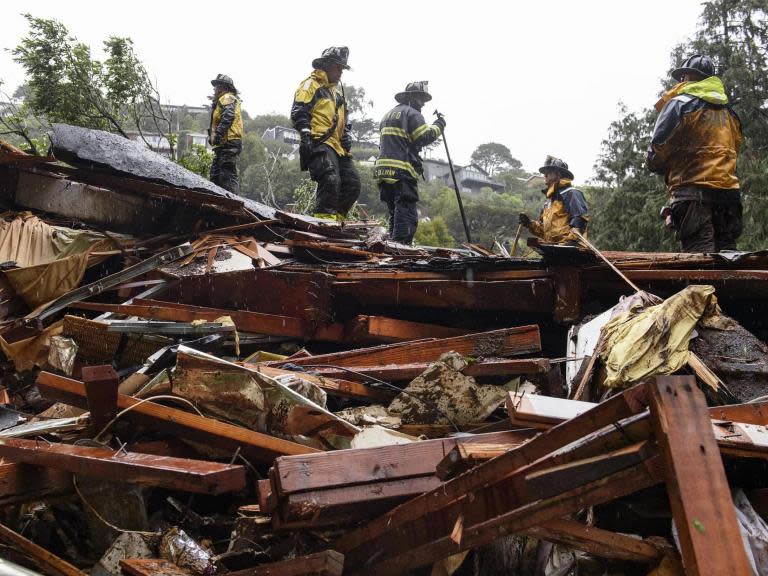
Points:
point(517, 239)
point(599, 254)
point(456, 186)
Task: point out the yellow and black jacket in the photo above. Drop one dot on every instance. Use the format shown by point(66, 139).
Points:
point(696, 138)
point(226, 120)
point(320, 107)
point(565, 209)
point(404, 132)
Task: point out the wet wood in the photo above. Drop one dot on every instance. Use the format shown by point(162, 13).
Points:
point(260, 447)
point(47, 562)
point(21, 483)
point(151, 567)
point(327, 563)
point(101, 385)
point(197, 476)
point(710, 539)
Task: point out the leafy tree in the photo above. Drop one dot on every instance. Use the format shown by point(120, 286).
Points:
point(19, 126)
point(258, 124)
point(493, 156)
point(198, 160)
point(363, 128)
point(65, 84)
point(433, 233)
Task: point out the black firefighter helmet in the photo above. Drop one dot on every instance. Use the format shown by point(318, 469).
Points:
point(414, 89)
point(333, 55)
point(224, 80)
point(552, 162)
point(696, 64)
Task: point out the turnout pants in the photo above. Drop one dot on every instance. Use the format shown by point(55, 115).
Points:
point(338, 183)
point(707, 226)
point(224, 166)
point(401, 198)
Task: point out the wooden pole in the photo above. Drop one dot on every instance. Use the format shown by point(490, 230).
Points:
point(589, 245)
point(517, 239)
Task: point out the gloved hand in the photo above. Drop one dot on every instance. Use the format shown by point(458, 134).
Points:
point(440, 123)
point(306, 137)
point(346, 141)
point(524, 220)
point(216, 139)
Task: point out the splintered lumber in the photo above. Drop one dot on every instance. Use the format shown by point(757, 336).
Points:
point(504, 342)
point(381, 329)
point(403, 372)
point(151, 567)
point(21, 483)
point(327, 563)
point(497, 487)
point(346, 485)
point(749, 413)
point(46, 561)
point(466, 456)
point(260, 447)
point(197, 476)
point(702, 508)
point(245, 321)
point(597, 542)
point(101, 384)
point(336, 386)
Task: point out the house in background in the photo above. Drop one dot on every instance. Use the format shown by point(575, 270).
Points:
point(471, 178)
point(283, 135)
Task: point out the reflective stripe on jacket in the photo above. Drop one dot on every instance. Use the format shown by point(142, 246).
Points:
point(403, 133)
point(564, 210)
point(226, 120)
point(696, 142)
point(315, 105)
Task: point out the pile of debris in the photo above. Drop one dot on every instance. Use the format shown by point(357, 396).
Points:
point(195, 383)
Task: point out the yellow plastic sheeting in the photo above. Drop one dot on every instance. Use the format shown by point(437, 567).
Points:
point(31, 352)
point(40, 284)
point(643, 343)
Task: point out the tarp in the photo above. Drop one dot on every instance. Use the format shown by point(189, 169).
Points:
point(642, 343)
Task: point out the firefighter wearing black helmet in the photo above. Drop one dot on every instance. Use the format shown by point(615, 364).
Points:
point(695, 145)
point(404, 132)
point(225, 133)
point(319, 113)
point(565, 209)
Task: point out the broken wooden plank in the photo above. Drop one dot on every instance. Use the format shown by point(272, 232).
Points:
point(379, 329)
point(46, 561)
point(465, 456)
point(197, 476)
point(344, 388)
point(749, 413)
point(598, 542)
point(504, 342)
point(151, 567)
point(702, 508)
point(404, 372)
point(260, 447)
point(327, 563)
point(20, 483)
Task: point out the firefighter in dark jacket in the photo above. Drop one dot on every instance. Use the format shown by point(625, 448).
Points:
point(319, 113)
point(565, 208)
point(404, 133)
point(695, 144)
point(225, 134)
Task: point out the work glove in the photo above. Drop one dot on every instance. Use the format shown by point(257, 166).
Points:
point(440, 123)
point(524, 220)
point(346, 141)
point(305, 148)
point(216, 139)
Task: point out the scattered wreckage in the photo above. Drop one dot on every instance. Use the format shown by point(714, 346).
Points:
point(194, 383)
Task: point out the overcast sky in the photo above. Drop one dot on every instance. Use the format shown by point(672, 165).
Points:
point(540, 77)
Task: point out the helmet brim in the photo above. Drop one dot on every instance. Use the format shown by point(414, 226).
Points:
point(678, 73)
point(403, 97)
point(564, 172)
point(319, 63)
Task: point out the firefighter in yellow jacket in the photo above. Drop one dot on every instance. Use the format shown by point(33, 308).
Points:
point(319, 113)
point(565, 208)
point(695, 145)
point(225, 134)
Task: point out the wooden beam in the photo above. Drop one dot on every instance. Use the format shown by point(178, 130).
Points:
point(21, 483)
point(260, 447)
point(432, 512)
point(101, 383)
point(327, 563)
point(197, 476)
point(466, 456)
point(46, 561)
point(151, 567)
point(597, 542)
point(504, 342)
point(539, 411)
point(403, 372)
point(381, 329)
point(749, 413)
point(702, 508)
